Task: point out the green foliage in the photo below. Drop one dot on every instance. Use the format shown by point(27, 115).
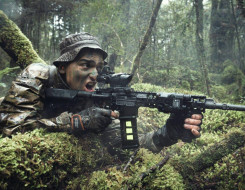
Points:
point(231, 74)
point(160, 77)
point(228, 85)
point(220, 92)
point(170, 57)
point(174, 76)
point(5, 59)
point(147, 87)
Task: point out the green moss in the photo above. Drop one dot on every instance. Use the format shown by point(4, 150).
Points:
point(203, 157)
point(167, 178)
point(220, 121)
point(6, 71)
point(42, 160)
point(226, 173)
point(109, 179)
point(164, 178)
point(30, 159)
point(15, 43)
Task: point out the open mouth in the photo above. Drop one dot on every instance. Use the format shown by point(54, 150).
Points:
point(90, 86)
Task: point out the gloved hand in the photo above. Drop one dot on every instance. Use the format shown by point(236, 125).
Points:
point(184, 127)
point(178, 126)
point(92, 119)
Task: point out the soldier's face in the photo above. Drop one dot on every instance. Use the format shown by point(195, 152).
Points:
point(81, 74)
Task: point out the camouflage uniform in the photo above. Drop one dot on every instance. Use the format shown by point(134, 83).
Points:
point(25, 108)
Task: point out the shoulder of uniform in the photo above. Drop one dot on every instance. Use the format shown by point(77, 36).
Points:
point(36, 70)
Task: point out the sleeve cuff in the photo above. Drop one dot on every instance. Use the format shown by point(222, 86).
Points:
point(162, 139)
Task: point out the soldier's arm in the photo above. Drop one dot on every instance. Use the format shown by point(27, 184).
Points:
point(22, 106)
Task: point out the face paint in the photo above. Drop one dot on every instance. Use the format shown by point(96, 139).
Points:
point(82, 73)
point(94, 73)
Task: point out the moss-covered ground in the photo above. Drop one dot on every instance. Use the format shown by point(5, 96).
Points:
point(44, 160)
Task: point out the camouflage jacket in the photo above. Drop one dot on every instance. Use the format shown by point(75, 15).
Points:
point(25, 107)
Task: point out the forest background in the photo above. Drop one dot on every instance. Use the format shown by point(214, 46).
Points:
point(196, 46)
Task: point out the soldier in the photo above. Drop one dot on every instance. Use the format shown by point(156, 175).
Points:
point(25, 107)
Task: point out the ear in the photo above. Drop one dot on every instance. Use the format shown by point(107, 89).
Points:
point(62, 69)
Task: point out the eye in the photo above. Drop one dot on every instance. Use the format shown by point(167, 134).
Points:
point(84, 64)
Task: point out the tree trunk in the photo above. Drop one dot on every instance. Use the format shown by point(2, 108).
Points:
point(112, 61)
point(240, 56)
point(15, 43)
point(241, 6)
point(221, 34)
point(212, 37)
point(199, 42)
point(126, 30)
point(136, 62)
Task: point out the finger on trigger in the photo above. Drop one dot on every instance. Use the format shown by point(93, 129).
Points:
point(114, 114)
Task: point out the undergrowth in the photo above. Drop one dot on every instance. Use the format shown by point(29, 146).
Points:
point(44, 160)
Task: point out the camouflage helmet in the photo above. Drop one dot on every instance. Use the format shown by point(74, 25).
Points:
point(74, 43)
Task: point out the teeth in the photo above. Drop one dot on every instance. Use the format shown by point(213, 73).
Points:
point(90, 83)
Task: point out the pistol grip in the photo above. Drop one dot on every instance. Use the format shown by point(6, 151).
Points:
point(187, 134)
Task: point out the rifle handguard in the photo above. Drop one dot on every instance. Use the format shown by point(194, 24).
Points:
point(76, 123)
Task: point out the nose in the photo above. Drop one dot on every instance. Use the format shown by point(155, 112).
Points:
point(93, 74)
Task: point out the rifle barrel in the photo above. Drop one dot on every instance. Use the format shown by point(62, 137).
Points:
point(210, 104)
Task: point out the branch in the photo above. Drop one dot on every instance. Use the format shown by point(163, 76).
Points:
point(143, 175)
point(117, 35)
point(16, 44)
point(6, 71)
point(153, 168)
point(130, 160)
point(147, 35)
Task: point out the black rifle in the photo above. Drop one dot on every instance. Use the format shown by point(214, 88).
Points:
point(124, 99)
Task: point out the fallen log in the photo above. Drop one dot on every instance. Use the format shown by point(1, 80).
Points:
point(231, 142)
